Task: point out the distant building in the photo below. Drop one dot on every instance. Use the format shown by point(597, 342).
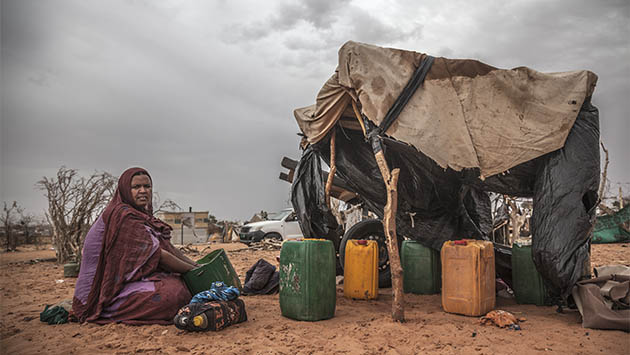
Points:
point(188, 227)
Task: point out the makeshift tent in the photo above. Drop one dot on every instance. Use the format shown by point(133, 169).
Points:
point(467, 129)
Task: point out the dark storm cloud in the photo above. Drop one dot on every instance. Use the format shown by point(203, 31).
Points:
point(368, 28)
point(107, 88)
point(202, 93)
point(327, 24)
point(320, 14)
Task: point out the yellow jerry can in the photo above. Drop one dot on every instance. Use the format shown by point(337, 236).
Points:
point(360, 272)
point(468, 279)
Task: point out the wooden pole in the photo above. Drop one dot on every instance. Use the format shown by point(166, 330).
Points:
point(333, 169)
point(389, 225)
point(602, 183)
point(358, 115)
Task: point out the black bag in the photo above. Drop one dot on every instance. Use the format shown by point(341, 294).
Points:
point(214, 315)
point(262, 278)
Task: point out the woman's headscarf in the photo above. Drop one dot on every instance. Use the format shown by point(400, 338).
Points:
point(120, 204)
point(126, 248)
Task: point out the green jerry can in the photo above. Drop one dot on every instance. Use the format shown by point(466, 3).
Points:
point(307, 279)
point(526, 280)
point(214, 267)
point(421, 268)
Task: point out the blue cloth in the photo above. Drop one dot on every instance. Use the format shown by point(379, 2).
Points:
point(218, 292)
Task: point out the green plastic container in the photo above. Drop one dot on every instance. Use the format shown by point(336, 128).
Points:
point(71, 270)
point(421, 268)
point(216, 267)
point(307, 279)
point(526, 280)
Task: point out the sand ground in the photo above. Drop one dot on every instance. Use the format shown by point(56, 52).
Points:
point(359, 327)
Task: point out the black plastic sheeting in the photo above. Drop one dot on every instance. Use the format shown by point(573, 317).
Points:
point(437, 204)
point(308, 197)
point(565, 200)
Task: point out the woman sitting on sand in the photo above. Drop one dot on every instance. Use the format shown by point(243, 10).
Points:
point(130, 270)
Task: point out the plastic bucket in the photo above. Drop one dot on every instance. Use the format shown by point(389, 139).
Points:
point(71, 270)
point(215, 267)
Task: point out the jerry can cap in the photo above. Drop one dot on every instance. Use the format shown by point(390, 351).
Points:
point(460, 242)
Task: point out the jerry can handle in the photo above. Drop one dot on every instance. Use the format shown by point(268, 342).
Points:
point(362, 242)
point(460, 242)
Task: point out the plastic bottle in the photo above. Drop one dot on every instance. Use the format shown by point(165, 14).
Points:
point(200, 321)
point(196, 323)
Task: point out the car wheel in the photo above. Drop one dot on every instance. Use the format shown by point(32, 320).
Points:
point(274, 236)
point(371, 229)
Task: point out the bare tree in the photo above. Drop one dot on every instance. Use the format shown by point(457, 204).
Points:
point(9, 220)
point(167, 206)
point(26, 222)
point(73, 204)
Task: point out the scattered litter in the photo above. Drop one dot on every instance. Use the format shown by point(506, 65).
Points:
point(188, 248)
point(503, 290)
point(56, 314)
point(474, 334)
point(60, 281)
point(501, 319)
point(266, 244)
point(164, 332)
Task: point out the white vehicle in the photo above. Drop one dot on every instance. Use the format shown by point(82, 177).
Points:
point(281, 225)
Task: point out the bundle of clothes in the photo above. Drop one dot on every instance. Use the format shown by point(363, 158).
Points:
point(213, 309)
point(261, 279)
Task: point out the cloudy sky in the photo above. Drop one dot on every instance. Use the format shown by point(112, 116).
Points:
point(201, 93)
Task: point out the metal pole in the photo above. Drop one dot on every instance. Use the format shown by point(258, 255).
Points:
point(182, 220)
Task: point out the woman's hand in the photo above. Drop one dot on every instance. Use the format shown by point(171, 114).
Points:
point(178, 254)
point(172, 263)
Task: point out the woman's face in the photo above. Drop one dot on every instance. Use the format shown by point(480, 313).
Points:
point(141, 190)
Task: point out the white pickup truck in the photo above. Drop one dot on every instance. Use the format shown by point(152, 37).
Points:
point(281, 225)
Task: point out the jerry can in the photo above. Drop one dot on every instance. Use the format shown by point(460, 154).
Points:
point(526, 280)
point(307, 279)
point(468, 278)
point(421, 268)
point(360, 272)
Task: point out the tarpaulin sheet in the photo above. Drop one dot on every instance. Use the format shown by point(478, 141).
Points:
point(467, 114)
point(609, 228)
